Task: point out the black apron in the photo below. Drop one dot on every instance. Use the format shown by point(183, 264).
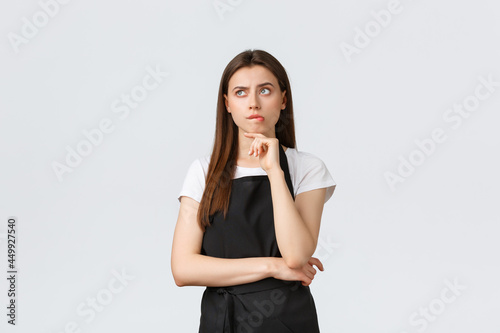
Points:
point(269, 305)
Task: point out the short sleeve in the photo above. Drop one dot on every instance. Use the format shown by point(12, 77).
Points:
point(194, 182)
point(313, 174)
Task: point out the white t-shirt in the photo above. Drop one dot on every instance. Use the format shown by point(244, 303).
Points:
point(307, 173)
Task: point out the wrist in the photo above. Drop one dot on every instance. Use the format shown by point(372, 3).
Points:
point(271, 267)
point(275, 173)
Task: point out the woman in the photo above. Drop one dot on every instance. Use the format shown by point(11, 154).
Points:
point(250, 212)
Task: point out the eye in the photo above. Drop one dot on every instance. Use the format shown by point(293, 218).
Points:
point(240, 93)
point(266, 91)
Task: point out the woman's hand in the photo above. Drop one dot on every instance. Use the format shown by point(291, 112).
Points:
point(306, 273)
point(267, 149)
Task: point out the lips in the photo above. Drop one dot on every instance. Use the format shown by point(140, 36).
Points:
point(256, 116)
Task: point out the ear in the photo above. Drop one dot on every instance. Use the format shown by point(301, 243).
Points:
point(283, 96)
point(227, 104)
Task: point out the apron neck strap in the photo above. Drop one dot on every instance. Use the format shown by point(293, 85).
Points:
point(286, 171)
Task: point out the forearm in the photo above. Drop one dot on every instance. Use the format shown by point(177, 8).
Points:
point(202, 270)
point(294, 239)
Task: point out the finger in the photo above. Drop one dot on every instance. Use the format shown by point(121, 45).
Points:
point(252, 147)
point(316, 262)
point(319, 264)
point(263, 146)
point(309, 275)
point(252, 135)
point(310, 269)
point(311, 272)
point(260, 147)
point(256, 147)
point(306, 281)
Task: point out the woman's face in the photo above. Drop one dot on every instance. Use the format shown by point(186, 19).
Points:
point(255, 91)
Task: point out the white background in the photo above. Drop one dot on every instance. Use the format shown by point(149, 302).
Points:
point(388, 251)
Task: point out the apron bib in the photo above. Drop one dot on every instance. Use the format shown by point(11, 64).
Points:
point(266, 306)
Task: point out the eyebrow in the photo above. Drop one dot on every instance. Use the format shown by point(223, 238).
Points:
point(258, 86)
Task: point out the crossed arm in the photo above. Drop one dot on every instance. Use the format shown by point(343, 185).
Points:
point(297, 228)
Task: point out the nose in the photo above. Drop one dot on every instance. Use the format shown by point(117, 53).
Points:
point(254, 101)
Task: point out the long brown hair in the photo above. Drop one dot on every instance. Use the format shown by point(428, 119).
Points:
point(225, 149)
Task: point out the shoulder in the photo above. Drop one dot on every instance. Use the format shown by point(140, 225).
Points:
point(199, 168)
point(304, 161)
point(194, 179)
point(200, 164)
point(309, 172)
